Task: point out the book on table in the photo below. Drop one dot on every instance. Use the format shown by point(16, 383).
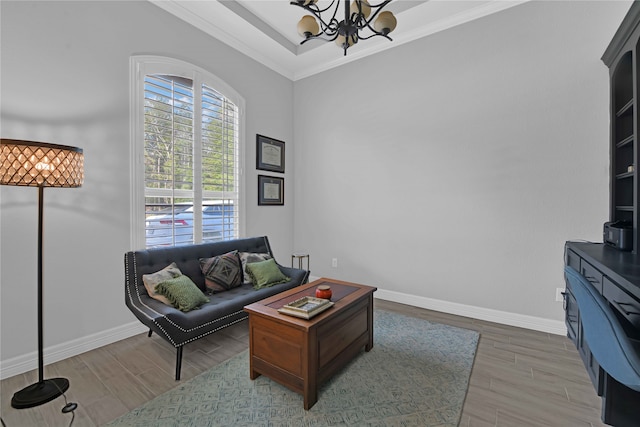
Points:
point(306, 307)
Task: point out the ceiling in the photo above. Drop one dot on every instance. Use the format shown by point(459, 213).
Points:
point(266, 29)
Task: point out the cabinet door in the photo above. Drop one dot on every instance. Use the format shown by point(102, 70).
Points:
point(571, 315)
point(593, 368)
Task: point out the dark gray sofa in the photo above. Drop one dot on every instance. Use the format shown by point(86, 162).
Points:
point(223, 309)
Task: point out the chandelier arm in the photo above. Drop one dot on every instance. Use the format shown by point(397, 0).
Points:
point(375, 33)
point(319, 37)
point(379, 5)
point(367, 22)
point(314, 7)
point(373, 30)
point(329, 29)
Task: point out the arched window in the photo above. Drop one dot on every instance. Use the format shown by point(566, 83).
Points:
point(186, 142)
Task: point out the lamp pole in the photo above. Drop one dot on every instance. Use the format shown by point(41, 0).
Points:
point(44, 390)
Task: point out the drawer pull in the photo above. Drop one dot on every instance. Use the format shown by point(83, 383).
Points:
point(619, 305)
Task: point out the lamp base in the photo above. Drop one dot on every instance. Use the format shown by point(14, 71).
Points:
point(39, 393)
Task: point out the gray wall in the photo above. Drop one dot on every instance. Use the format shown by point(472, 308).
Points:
point(453, 168)
point(65, 79)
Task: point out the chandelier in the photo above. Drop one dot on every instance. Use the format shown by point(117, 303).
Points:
point(345, 33)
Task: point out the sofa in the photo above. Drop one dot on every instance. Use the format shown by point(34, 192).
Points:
point(220, 310)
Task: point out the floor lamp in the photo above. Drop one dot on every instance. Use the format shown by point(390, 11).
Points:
point(37, 164)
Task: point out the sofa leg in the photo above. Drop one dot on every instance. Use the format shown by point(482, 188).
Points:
point(178, 362)
point(150, 332)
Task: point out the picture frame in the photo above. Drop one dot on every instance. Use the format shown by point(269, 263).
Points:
point(269, 154)
point(270, 190)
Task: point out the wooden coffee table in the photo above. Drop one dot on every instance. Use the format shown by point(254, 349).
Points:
point(301, 354)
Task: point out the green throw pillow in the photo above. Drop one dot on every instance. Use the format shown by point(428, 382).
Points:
point(182, 292)
point(265, 273)
point(154, 279)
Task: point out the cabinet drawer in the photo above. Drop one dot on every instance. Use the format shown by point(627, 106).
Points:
point(572, 259)
point(624, 303)
point(592, 274)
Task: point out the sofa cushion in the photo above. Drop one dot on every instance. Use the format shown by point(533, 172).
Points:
point(249, 257)
point(222, 272)
point(151, 281)
point(182, 292)
point(265, 273)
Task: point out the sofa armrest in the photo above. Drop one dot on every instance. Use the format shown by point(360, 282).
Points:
point(297, 275)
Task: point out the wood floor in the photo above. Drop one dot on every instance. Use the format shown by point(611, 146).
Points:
point(520, 377)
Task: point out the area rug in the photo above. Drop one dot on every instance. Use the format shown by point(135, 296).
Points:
point(417, 374)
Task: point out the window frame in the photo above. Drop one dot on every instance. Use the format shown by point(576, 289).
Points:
point(141, 65)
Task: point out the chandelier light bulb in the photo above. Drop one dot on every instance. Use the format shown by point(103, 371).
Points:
point(385, 23)
point(341, 41)
point(308, 26)
point(365, 8)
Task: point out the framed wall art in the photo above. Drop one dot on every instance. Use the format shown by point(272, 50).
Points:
point(270, 191)
point(269, 154)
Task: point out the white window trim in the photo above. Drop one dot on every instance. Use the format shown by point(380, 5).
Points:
point(139, 66)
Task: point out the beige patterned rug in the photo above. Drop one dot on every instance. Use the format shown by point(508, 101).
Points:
point(417, 374)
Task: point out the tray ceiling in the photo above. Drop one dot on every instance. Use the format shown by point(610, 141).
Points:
point(266, 29)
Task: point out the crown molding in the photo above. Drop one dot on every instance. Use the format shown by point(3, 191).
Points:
point(244, 31)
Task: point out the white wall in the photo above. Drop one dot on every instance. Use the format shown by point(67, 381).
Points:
point(454, 168)
point(65, 79)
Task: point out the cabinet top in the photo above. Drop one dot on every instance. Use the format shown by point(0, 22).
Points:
point(621, 267)
point(622, 35)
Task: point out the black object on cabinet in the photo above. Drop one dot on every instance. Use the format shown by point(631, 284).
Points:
point(623, 60)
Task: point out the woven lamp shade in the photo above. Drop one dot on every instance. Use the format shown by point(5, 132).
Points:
point(38, 164)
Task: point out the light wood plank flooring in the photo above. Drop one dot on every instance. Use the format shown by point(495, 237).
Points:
point(520, 377)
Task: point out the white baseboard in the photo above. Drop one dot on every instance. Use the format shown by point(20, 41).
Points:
point(512, 319)
point(29, 361)
point(556, 327)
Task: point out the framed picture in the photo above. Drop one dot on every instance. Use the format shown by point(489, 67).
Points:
point(270, 190)
point(269, 154)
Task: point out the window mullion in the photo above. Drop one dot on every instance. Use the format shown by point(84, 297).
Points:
point(197, 159)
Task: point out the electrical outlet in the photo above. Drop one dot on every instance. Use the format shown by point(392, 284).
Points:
point(559, 296)
point(334, 262)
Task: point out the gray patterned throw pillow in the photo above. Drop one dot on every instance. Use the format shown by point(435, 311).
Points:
point(222, 272)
